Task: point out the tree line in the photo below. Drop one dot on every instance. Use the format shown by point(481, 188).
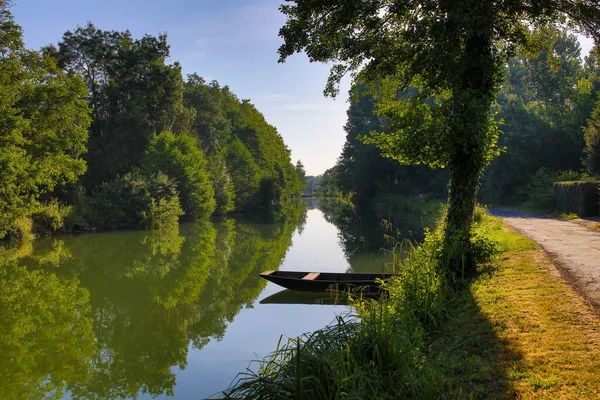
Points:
point(99, 131)
point(548, 110)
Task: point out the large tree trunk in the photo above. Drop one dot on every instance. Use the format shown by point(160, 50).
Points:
point(470, 126)
point(457, 255)
point(473, 92)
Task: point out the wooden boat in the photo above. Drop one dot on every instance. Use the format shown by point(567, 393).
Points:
point(322, 281)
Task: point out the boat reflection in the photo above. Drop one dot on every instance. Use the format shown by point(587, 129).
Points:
point(329, 297)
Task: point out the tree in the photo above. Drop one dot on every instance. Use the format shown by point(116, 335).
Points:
point(592, 141)
point(453, 54)
point(545, 100)
point(43, 124)
point(330, 182)
point(181, 159)
point(245, 174)
point(213, 130)
point(301, 175)
point(212, 126)
point(134, 95)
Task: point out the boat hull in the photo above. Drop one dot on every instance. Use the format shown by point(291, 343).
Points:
point(322, 281)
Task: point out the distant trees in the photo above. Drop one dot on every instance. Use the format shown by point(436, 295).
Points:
point(313, 183)
point(544, 103)
point(363, 172)
point(233, 133)
point(301, 172)
point(43, 125)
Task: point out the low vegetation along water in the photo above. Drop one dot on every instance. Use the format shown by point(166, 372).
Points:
point(146, 314)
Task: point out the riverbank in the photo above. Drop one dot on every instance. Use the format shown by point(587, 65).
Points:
point(517, 330)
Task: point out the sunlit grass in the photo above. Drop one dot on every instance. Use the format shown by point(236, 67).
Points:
point(549, 337)
point(590, 224)
point(568, 216)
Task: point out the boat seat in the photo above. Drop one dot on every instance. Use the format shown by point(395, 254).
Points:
point(311, 277)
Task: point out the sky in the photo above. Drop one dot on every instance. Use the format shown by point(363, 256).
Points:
point(232, 41)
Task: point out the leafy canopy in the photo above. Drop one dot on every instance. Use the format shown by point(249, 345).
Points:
point(448, 53)
point(418, 38)
point(181, 159)
point(43, 124)
point(133, 92)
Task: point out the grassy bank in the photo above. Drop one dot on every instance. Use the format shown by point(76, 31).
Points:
point(546, 338)
point(516, 330)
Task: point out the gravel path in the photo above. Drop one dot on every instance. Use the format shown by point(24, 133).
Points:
point(575, 249)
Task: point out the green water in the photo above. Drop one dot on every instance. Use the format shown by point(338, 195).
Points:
point(161, 315)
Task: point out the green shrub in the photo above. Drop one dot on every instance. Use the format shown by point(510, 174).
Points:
point(466, 252)
point(479, 214)
point(134, 201)
point(20, 229)
point(568, 216)
point(540, 193)
point(569, 176)
point(50, 218)
point(579, 197)
point(181, 159)
point(162, 214)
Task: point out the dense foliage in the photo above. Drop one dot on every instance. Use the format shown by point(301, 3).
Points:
point(43, 125)
point(545, 102)
point(136, 201)
point(592, 141)
point(363, 173)
point(142, 123)
point(255, 166)
point(179, 157)
point(133, 94)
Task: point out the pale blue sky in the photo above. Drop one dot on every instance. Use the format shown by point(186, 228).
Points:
point(232, 41)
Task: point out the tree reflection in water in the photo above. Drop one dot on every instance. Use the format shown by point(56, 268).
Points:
point(364, 231)
point(109, 315)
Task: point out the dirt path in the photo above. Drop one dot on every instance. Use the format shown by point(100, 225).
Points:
point(574, 248)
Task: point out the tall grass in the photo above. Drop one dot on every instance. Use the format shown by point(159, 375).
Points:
point(380, 351)
point(379, 357)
